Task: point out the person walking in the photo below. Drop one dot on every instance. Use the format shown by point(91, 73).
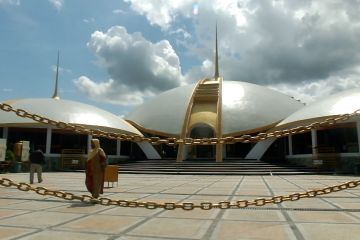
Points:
point(37, 159)
point(95, 169)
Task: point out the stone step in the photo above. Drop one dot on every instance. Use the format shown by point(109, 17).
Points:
point(210, 167)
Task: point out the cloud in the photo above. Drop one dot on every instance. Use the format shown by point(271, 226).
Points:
point(118, 11)
point(9, 2)
point(137, 67)
point(306, 44)
point(89, 20)
point(7, 89)
point(57, 4)
point(161, 12)
point(309, 92)
point(61, 70)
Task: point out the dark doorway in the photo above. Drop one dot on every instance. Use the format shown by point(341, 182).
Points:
point(202, 151)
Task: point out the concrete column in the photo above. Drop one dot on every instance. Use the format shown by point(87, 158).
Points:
point(358, 132)
point(314, 141)
point(48, 140)
point(219, 152)
point(89, 144)
point(290, 145)
point(118, 147)
point(5, 132)
point(224, 151)
point(180, 153)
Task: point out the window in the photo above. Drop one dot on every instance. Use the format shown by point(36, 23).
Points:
point(302, 143)
point(342, 139)
point(125, 148)
point(67, 140)
point(35, 136)
point(108, 145)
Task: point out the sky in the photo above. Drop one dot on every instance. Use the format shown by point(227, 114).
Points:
point(117, 54)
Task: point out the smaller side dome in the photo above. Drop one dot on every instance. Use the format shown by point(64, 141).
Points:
point(337, 104)
point(68, 112)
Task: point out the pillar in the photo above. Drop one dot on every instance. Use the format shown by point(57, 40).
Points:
point(48, 140)
point(118, 147)
point(358, 132)
point(290, 145)
point(89, 144)
point(5, 132)
point(314, 141)
point(219, 152)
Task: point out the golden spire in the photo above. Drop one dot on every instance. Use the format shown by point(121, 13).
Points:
point(55, 95)
point(216, 56)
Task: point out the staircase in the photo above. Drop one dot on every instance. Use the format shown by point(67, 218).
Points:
point(210, 167)
point(208, 91)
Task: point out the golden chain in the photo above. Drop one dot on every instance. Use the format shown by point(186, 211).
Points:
point(186, 205)
point(174, 141)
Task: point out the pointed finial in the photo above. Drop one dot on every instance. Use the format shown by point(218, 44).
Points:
point(216, 56)
point(55, 95)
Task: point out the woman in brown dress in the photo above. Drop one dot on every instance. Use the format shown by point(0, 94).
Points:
point(95, 169)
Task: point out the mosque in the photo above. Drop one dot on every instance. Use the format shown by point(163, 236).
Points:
point(211, 108)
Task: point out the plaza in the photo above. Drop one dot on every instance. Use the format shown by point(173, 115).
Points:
point(27, 215)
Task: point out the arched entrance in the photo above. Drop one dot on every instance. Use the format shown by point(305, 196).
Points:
point(202, 151)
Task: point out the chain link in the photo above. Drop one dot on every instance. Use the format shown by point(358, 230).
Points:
point(187, 206)
point(174, 141)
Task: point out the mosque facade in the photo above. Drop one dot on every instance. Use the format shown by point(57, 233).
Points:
point(211, 108)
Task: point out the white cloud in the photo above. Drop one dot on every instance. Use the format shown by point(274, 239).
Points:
point(109, 91)
point(161, 12)
point(89, 20)
point(57, 4)
point(118, 11)
point(137, 67)
point(308, 92)
point(61, 70)
point(7, 89)
point(10, 2)
point(299, 45)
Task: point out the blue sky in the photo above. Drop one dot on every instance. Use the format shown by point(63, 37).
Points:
point(116, 54)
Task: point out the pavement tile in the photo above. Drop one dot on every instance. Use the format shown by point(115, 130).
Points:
point(101, 224)
point(4, 213)
point(194, 214)
point(78, 207)
point(62, 219)
point(61, 235)
point(38, 219)
point(235, 230)
point(332, 231)
point(6, 202)
point(254, 215)
point(38, 204)
point(321, 217)
point(173, 228)
point(13, 232)
point(128, 211)
point(312, 203)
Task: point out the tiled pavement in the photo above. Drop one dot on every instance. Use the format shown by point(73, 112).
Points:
point(26, 215)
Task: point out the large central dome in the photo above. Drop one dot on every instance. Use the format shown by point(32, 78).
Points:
point(246, 108)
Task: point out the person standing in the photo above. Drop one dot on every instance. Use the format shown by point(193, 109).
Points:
point(37, 159)
point(95, 169)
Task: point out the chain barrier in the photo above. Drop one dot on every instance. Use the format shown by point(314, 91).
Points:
point(186, 205)
point(171, 142)
point(175, 141)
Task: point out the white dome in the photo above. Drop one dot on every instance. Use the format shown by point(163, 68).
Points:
point(246, 107)
point(68, 112)
point(341, 103)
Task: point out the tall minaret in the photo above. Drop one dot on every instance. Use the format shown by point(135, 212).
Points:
point(216, 57)
point(55, 95)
